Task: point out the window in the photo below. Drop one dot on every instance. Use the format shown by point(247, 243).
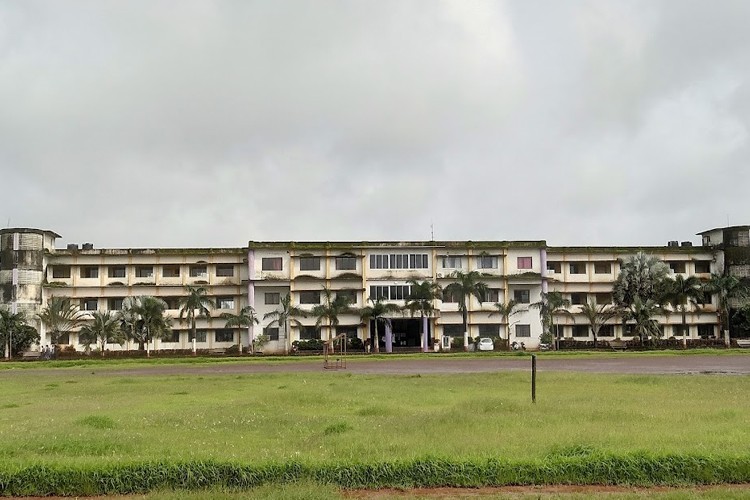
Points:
point(521, 296)
point(350, 295)
point(309, 297)
point(89, 272)
point(705, 298)
point(309, 264)
point(493, 295)
point(272, 332)
point(677, 331)
point(116, 271)
point(702, 266)
point(602, 268)
point(200, 335)
point(453, 330)
point(170, 271)
point(487, 262)
point(400, 292)
point(225, 302)
point(173, 336)
point(603, 298)
point(173, 303)
point(418, 260)
point(379, 292)
point(705, 331)
point(399, 261)
point(607, 331)
point(144, 271)
point(346, 263)
point(350, 331)
point(492, 330)
point(198, 271)
point(580, 331)
point(677, 266)
point(224, 270)
point(523, 330)
point(449, 297)
point(378, 262)
point(554, 266)
point(577, 268)
point(272, 298)
point(89, 304)
point(224, 335)
point(309, 333)
point(271, 263)
point(115, 304)
point(578, 299)
point(451, 262)
point(61, 271)
point(525, 263)
point(64, 339)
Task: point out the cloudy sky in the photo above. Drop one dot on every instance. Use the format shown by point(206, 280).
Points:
point(199, 123)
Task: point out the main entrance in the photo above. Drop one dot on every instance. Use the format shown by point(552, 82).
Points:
point(405, 333)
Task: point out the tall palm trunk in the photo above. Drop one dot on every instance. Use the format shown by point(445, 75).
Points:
point(465, 316)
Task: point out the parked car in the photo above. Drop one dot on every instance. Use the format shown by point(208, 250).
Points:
point(486, 344)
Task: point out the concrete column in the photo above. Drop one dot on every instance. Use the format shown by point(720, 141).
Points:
point(425, 336)
point(250, 297)
point(388, 337)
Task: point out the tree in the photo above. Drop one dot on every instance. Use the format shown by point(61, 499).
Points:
point(376, 314)
point(727, 288)
point(552, 303)
point(143, 319)
point(597, 315)
point(679, 292)
point(104, 328)
point(329, 311)
point(640, 276)
point(60, 317)
point(245, 319)
point(129, 319)
point(466, 285)
point(505, 311)
point(642, 313)
point(195, 300)
point(421, 300)
point(15, 335)
point(285, 315)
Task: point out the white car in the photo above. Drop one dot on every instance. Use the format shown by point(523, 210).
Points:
point(486, 344)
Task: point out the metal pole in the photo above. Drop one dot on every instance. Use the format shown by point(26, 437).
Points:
point(533, 378)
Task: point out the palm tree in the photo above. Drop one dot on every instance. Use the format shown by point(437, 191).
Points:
point(329, 311)
point(642, 313)
point(640, 276)
point(245, 319)
point(376, 314)
point(598, 315)
point(129, 319)
point(552, 303)
point(148, 319)
point(195, 300)
point(421, 300)
point(60, 317)
point(466, 285)
point(727, 288)
point(285, 315)
point(10, 324)
point(679, 292)
point(105, 328)
point(506, 311)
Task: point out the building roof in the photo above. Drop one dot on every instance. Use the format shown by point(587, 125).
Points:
point(29, 230)
point(723, 229)
point(633, 249)
point(349, 245)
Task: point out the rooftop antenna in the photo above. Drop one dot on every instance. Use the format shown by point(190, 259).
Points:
point(432, 232)
point(727, 220)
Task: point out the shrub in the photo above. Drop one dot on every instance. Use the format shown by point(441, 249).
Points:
point(309, 345)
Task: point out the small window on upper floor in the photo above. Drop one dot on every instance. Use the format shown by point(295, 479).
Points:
point(61, 272)
point(271, 264)
point(451, 262)
point(578, 299)
point(602, 268)
point(89, 271)
point(225, 270)
point(554, 266)
point(677, 267)
point(487, 262)
point(603, 298)
point(309, 264)
point(577, 268)
point(144, 271)
point(309, 297)
point(525, 263)
point(349, 295)
point(702, 266)
point(492, 295)
point(346, 263)
point(91, 304)
point(224, 302)
point(522, 296)
point(115, 303)
point(170, 271)
point(116, 271)
point(199, 271)
point(272, 298)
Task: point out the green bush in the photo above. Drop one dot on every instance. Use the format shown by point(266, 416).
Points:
point(309, 345)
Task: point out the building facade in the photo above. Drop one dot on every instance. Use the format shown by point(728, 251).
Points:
point(261, 274)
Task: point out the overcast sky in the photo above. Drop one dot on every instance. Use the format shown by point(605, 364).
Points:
point(198, 123)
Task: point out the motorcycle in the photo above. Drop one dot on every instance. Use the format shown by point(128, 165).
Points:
point(518, 346)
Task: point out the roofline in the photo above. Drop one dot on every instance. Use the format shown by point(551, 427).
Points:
point(29, 230)
point(721, 229)
point(353, 245)
point(634, 249)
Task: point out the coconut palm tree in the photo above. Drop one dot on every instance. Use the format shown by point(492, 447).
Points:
point(143, 319)
point(329, 311)
point(376, 314)
point(421, 300)
point(104, 328)
point(10, 324)
point(129, 320)
point(196, 300)
point(641, 276)
point(597, 315)
point(727, 289)
point(505, 311)
point(284, 316)
point(245, 319)
point(679, 292)
point(464, 286)
point(552, 303)
point(60, 317)
point(642, 314)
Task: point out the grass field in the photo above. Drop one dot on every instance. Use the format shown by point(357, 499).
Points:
point(87, 418)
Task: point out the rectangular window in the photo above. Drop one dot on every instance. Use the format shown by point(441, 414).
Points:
point(144, 271)
point(114, 304)
point(453, 330)
point(379, 292)
point(272, 298)
point(378, 261)
point(271, 263)
point(521, 296)
point(170, 271)
point(493, 296)
point(418, 261)
point(603, 298)
point(225, 302)
point(492, 330)
point(224, 335)
point(200, 335)
point(525, 263)
point(580, 331)
point(577, 268)
point(677, 266)
point(309, 333)
point(702, 266)
point(487, 262)
point(173, 336)
point(61, 272)
point(705, 298)
point(523, 331)
point(272, 332)
point(554, 266)
point(173, 303)
point(89, 304)
point(705, 331)
point(607, 331)
point(400, 292)
point(309, 264)
point(89, 272)
point(198, 271)
point(602, 268)
point(116, 271)
point(452, 262)
point(677, 331)
point(346, 263)
point(578, 299)
point(449, 297)
point(349, 295)
point(224, 270)
point(350, 331)
point(309, 297)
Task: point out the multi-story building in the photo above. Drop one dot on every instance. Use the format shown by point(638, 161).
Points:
point(32, 271)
